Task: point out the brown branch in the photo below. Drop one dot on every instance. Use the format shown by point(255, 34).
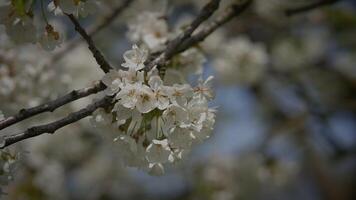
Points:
point(231, 12)
point(312, 6)
point(54, 126)
point(106, 21)
point(204, 14)
point(52, 105)
point(104, 65)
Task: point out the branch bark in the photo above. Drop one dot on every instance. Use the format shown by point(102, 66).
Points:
point(104, 65)
point(54, 126)
point(52, 105)
point(204, 14)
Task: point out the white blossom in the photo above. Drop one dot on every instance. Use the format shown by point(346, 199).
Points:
point(160, 92)
point(204, 88)
point(179, 93)
point(146, 100)
point(241, 61)
point(174, 116)
point(113, 82)
point(149, 28)
point(135, 58)
point(128, 96)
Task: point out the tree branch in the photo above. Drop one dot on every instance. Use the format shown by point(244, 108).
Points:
point(231, 12)
point(52, 105)
point(309, 7)
point(54, 126)
point(106, 21)
point(104, 65)
point(204, 14)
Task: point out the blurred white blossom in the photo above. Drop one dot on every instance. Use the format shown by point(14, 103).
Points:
point(241, 61)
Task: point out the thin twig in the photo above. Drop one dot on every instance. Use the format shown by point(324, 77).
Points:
point(309, 7)
point(106, 21)
point(54, 126)
point(52, 105)
point(104, 65)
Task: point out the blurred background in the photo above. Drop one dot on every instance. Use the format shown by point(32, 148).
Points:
point(285, 94)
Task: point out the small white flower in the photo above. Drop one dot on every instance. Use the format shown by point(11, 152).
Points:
point(146, 100)
point(174, 116)
point(149, 28)
point(123, 114)
point(160, 92)
point(132, 76)
point(241, 61)
point(204, 88)
point(113, 82)
point(135, 58)
point(128, 95)
point(179, 93)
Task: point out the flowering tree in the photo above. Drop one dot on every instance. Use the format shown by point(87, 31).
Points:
point(155, 101)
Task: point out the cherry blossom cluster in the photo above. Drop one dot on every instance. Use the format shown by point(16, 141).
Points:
point(18, 17)
point(155, 123)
